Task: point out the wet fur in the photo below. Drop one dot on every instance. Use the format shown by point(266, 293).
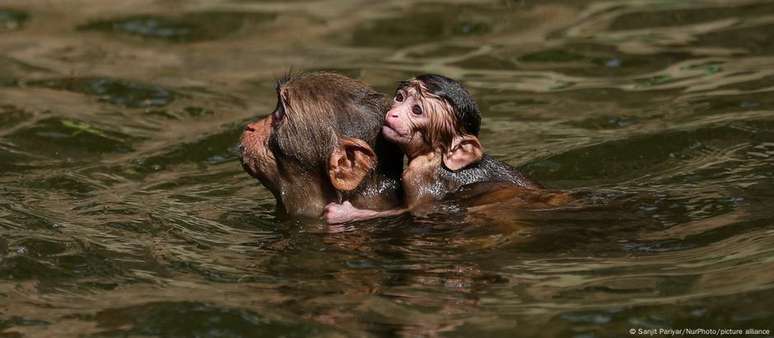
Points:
point(288, 151)
point(452, 112)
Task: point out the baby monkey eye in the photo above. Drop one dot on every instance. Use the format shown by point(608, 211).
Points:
point(399, 97)
point(416, 109)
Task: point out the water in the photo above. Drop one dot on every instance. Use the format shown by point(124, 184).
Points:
point(124, 210)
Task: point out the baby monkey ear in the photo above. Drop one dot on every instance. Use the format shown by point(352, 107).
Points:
point(465, 150)
point(350, 162)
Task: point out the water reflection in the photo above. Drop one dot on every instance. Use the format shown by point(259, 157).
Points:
point(12, 19)
point(124, 211)
point(187, 28)
point(122, 93)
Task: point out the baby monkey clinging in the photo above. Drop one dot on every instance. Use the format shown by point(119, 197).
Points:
point(434, 114)
point(436, 123)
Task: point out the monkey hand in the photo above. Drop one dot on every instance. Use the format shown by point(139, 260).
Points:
point(335, 213)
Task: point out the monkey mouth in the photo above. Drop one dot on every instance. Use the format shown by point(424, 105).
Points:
point(241, 149)
point(390, 132)
point(394, 134)
point(247, 164)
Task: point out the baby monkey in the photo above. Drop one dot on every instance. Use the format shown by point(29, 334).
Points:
point(436, 123)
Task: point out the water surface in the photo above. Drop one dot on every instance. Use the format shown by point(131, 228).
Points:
point(124, 210)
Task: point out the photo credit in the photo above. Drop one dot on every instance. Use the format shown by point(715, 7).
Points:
point(697, 332)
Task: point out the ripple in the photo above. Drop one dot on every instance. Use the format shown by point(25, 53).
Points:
point(189, 27)
point(114, 91)
point(124, 211)
point(11, 115)
point(59, 137)
point(421, 24)
point(754, 39)
point(629, 158)
point(687, 16)
point(161, 318)
point(11, 20)
point(212, 149)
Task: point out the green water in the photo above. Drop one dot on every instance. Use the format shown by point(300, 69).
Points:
point(124, 211)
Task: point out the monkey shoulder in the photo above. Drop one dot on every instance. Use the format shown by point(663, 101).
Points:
point(426, 180)
point(420, 181)
point(488, 170)
point(378, 192)
point(494, 183)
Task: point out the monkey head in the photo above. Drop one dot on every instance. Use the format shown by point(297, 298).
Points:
point(323, 141)
point(433, 113)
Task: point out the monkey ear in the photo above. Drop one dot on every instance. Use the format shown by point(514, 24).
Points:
point(350, 162)
point(465, 150)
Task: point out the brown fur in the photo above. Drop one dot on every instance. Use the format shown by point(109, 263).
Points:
point(441, 127)
point(321, 106)
point(289, 150)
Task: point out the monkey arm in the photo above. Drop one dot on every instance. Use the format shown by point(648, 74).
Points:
point(335, 213)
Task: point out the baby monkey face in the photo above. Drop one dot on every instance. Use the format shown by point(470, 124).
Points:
point(413, 112)
point(405, 117)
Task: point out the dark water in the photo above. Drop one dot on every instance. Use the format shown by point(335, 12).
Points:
point(124, 210)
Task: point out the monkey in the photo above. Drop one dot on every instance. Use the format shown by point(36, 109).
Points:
point(321, 144)
point(436, 122)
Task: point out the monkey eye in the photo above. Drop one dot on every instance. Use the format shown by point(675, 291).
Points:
point(279, 113)
point(399, 97)
point(416, 109)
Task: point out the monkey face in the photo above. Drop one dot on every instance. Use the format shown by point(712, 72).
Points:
point(418, 120)
point(407, 117)
point(425, 116)
point(257, 160)
point(297, 193)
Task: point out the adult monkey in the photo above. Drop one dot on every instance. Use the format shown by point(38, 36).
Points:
point(322, 144)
